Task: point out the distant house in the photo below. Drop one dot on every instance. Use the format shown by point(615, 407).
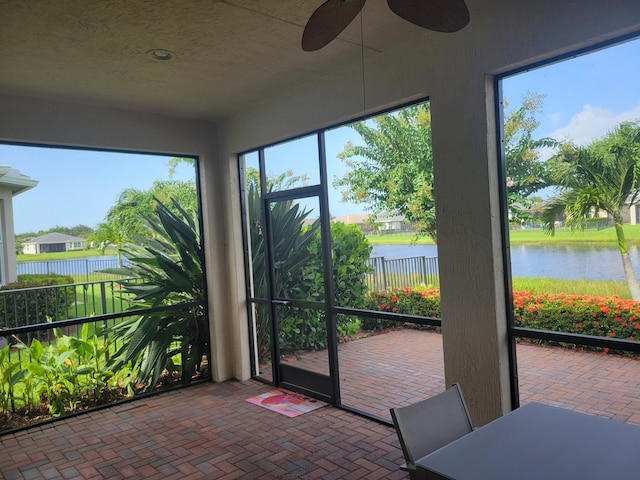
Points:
point(631, 211)
point(12, 183)
point(383, 224)
point(52, 242)
point(393, 224)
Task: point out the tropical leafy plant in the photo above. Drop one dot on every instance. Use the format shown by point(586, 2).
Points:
point(167, 268)
point(11, 375)
point(299, 271)
point(291, 248)
point(53, 370)
point(350, 252)
point(66, 374)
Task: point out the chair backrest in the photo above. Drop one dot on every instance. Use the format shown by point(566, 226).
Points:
point(432, 423)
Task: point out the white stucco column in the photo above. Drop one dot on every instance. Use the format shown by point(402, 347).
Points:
point(469, 241)
point(228, 323)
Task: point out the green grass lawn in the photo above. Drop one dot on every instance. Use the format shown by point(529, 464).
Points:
point(530, 236)
point(597, 288)
point(399, 239)
point(565, 235)
point(63, 255)
point(96, 300)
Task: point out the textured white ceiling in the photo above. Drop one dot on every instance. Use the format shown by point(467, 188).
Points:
point(228, 53)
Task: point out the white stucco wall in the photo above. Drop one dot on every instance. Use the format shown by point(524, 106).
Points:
point(457, 76)
point(8, 261)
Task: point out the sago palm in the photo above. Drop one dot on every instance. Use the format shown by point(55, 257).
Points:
point(605, 175)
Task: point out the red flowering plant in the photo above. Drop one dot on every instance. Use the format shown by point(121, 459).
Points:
point(611, 317)
point(420, 301)
point(583, 314)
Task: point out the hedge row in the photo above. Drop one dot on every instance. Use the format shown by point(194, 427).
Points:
point(588, 315)
point(28, 307)
point(600, 316)
point(421, 301)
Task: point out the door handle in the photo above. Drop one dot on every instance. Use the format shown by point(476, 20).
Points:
point(281, 302)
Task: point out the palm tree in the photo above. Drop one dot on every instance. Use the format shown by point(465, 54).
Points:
point(604, 175)
point(111, 234)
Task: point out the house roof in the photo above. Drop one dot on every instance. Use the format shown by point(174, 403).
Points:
point(54, 238)
point(16, 181)
point(364, 218)
point(354, 218)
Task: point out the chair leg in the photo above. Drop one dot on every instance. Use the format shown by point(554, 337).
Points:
point(417, 474)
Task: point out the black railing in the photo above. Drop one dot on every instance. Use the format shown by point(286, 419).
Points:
point(66, 357)
point(393, 273)
point(37, 305)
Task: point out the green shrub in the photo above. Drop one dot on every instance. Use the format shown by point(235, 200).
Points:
point(28, 307)
point(40, 280)
point(306, 329)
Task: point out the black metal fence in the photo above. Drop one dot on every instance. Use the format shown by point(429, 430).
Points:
point(402, 272)
point(32, 306)
point(82, 269)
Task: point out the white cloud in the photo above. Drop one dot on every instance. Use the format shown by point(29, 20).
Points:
point(592, 123)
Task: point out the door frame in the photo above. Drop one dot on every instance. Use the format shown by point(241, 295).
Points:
point(321, 386)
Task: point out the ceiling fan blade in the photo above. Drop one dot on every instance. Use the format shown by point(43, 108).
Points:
point(439, 15)
point(326, 23)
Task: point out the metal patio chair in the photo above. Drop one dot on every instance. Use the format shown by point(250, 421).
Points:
point(430, 424)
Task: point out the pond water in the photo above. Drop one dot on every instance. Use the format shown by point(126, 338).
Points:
point(589, 262)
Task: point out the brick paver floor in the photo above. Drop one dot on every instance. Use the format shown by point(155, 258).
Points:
point(403, 366)
point(210, 431)
point(207, 431)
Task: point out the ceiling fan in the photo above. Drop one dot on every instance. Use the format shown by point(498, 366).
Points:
point(333, 16)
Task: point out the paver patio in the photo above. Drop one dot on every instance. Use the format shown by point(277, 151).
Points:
point(209, 431)
point(403, 366)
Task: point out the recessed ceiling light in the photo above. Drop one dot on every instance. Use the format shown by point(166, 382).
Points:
point(160, 54)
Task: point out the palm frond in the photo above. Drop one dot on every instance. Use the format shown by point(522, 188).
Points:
point(167, 270)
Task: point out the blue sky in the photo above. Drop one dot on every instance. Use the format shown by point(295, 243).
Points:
point(78, 186)
point(585, 98)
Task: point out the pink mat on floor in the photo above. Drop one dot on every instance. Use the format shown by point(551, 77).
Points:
point(287, 403)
